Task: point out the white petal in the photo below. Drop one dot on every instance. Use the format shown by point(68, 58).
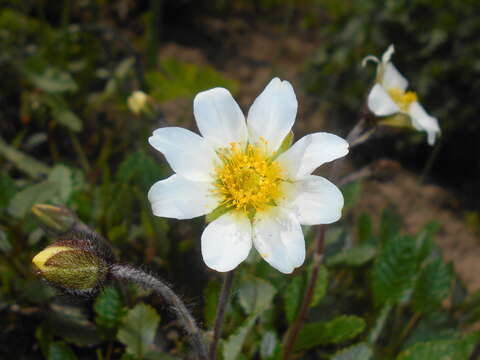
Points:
point(219, 117)
point(187, 153)
point(388, 54)
point(422, 121)
point(272, 114)
point(380, 103)
point(315, 200)
point(392, 78)
point(368, 58)
point(279, 239)
point(227, 241)
point(180, 198)
point(310, 152)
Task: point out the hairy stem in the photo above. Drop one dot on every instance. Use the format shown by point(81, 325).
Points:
point(355, 134)
point(219, 317)
point(148, 281)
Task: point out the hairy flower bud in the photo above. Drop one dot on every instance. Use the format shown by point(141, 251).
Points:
point(57, 219)
point(71, 266)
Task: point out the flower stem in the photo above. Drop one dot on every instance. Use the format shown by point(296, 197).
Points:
point(148, 281)
point(307, 298)
point(222, 306)
point(291, 336)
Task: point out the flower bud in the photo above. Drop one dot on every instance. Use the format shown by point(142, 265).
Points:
point(137, 102)
point(57, 219)
point(71, 266)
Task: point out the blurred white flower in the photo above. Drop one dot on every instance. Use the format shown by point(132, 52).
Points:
point(259, 197)
point(137, 102)
point(389, 96)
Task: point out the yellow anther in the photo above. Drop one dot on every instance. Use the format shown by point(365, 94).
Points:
point(247, 179)
point(402, 99)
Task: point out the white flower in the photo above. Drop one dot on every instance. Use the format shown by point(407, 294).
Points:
point(389, 96)
point(137, 101)
point(233, 168)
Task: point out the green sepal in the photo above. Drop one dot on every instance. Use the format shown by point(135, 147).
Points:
point(286, 143)
point(397, 120)
point(217, 212)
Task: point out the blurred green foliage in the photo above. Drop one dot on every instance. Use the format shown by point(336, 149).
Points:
point(436, 49)
point(68, 138)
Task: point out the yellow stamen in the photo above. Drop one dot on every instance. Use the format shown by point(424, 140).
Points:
point(402, 98)
point(247, 179)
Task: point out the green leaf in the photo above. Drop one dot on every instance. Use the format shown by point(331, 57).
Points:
point(61, 112)
point(5, 245)
point(256, 295)
point(182, 80)
point(109, 309)
point(360, 351)
point(336, 331)
point(365, 230)
point(60, 351)
point(351, 193)
point(211, 294)
point(390, 225)
point(320, 286)
point(61, 176)
point(455, 349)
point(292, 297)
point(46, 77)
point(432, 286)
point(355, 256)
point(8, 190)
point(138, 329)
point(234, 343)
point(22, 202)
point(380, 322)
point(394, 270)
point(268, 345)
point(23, 162)
point(425, 243)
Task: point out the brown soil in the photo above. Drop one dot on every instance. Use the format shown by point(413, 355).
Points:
point(262, 53)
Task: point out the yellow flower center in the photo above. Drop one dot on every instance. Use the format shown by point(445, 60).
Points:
point(402, 98)
point(247, 178)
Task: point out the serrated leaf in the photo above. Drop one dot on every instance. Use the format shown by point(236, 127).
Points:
point(336, 331)
point(456, 349)
point(292, 297)
point(210, 296)
point(109, 309)
point(60, 351)
point(361, 351)
point(432, 286)
point(425, 242)
point(355, 256)
point(23, 162)
point(234, 343)
point(256, 295)
point(320, 286)
point(138, 329)
point(394, 271)
point(380, 322)
point(390, 225)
